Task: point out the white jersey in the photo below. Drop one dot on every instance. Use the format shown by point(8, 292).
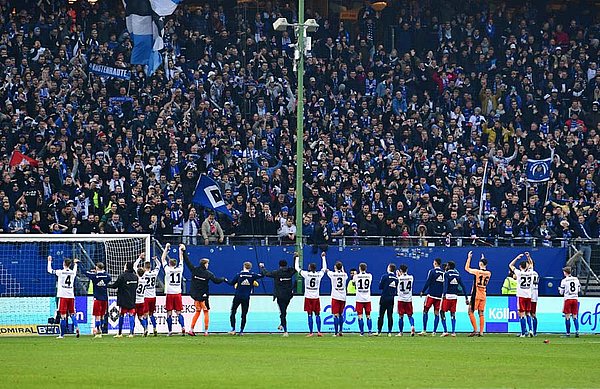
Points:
point(534, 286)
point(405, 285)
point(173, 278)
point(338, 285)
point(149, 281)
point(312, 283)
point(363, 283)
point(569, 287)
point(65, 281)
point(139, 291)
point(524, 282)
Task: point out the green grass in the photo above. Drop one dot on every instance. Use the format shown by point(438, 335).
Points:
point(257, 361)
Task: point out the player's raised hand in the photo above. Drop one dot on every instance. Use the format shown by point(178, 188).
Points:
point(76, 260)
point(261, 265)
point(181, 247)
point(167, 246)
point(482, 256)
point(527, 254)
point(520, 256)
point(470, 255)
point(323, 255)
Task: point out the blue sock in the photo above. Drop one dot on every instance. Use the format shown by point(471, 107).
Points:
point(369, 324)
point(411, 320)
point(436, 321)
point(63, 327)
point(336, 320)
point(361, 325)
point(534, 325)
point(170, 323)
point(98, 325)
point(120, 324)
point(453, 321)
point(145, 324)
point(401, 324)
point(74, 320)
point(131, 324)
point(310, 324)
point(576, 324)
point(181, 321)
point(153, 321)
point(425, 317)
point(523, 326)
point(318, 320)
point(443, 324)
point(529, 325)
point(568, 325)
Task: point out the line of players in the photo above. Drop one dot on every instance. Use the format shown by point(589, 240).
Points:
point(136, 294)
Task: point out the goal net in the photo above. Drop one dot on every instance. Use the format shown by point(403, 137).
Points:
point(27, 289)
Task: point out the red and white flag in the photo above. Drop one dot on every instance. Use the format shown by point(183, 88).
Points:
point(18, 159)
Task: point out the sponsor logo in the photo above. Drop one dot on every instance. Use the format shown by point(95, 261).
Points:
point(17, 330)
point(591, 318)
point(48, 329)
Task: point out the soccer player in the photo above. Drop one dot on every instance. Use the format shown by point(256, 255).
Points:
point(150, 278)
point(405, 305)
point(244, 283)
point(173, 278)
point(140, 305)
point(534, 295)
point(524, 281)
point(569, 287)
point(65, 293)
point(126, 285)
point(312, 283)
point(100, 279)
point(452, 282)
point(338, 296)
point(362, 282)
point(479, 293)
point(199, 289)
point(387, 285)
point(435, 287)
point(283, 290)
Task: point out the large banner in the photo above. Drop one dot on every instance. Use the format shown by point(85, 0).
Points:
point(500, 315)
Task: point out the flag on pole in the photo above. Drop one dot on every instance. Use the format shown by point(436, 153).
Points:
point(208, 194)
point(20, 159)
point(164, 7)
point(538, 170)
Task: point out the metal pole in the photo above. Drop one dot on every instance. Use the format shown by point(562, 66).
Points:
point(300, 138)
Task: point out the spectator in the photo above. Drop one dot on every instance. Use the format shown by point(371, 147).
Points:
point(211, 230)
point(287, 233)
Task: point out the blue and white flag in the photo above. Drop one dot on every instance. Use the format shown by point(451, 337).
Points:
point(208, 194)
point(108, 71)
point(164, 7)
point(538, 170)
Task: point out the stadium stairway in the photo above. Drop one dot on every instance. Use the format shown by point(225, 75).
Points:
point(9, 286)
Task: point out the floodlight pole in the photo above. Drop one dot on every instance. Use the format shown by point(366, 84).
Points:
point(300, 137)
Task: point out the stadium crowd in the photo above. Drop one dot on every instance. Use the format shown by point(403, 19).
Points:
point(398, 126)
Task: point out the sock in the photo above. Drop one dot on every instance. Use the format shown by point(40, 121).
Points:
point(310, 324)
point(63, 327)
point(436, 322)
point(425, 317)
point(336, 320)
point(145, 324)
point(170, 323)
point(318, 319)
point(529, 325)
point(153, 321)
point(523, 326)
point(181, 322)
point(568, 325)
point(131, 324)
point(481, 324)
point(194, 320)
point(74, 320)
point(120, 324)
point(411, 320)
point(361, 325)
point(369, 324)
point(444, 323)
point(206, 321)
point(576, 324)
point(534, 325)
point(453, 321)
point(401, 324)
point(473, 322)
point(98, 325)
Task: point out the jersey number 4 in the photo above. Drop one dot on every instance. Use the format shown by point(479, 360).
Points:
point(68, 281)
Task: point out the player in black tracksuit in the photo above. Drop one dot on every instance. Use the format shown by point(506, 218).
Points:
point(283, 290)
point(199, 289)
point(126, 286)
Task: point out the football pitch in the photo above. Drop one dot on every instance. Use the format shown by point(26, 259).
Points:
point(259, 361)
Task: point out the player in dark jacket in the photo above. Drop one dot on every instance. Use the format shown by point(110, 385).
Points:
point(126, 286)
point(388, 286)
point(199, 288)
point(244, 283)
point(283, 289)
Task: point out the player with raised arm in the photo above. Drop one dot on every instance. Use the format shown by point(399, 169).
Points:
point(312, 284)
point(434, 286)
point(524, 281)
point(338, 296)
point(150, 277)
point(100, 280)
point(244, 283)
point(452, 282)
point(569, 288)
point(141, 309)
point(387, 285)
point(65, 293)
point(405, 305)
point(534, 295)
point(173, 279)
point(126, 285)
point(478, 293)
point(283, 289)
point(199, 289)
point(362, 282)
